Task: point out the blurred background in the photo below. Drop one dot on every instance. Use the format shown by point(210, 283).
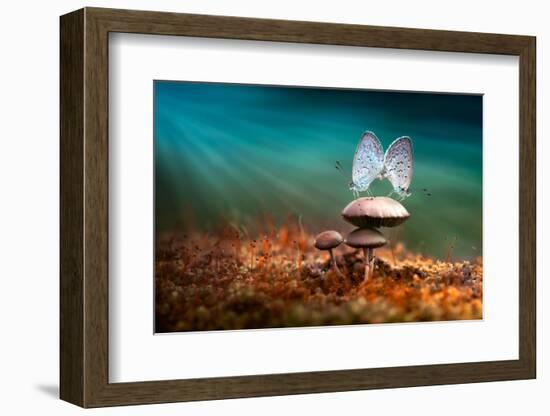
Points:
point(247, 154)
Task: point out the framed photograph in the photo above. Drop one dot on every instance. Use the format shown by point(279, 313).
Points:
point(255, 207)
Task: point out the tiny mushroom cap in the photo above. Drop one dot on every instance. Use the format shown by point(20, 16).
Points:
point(328, 240)
point(366, 238)
point(375, 212)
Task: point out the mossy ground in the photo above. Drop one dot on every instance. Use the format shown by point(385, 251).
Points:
point(229, 282)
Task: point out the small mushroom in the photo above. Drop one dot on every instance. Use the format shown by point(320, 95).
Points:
point(368, 239)
point(380, 211)
point(328, 240)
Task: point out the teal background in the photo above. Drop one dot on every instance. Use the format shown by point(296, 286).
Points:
point(238, 152)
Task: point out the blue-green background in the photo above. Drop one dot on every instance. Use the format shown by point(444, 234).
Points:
point(238, 152)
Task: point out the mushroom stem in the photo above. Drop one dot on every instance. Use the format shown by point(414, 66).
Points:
point(371, 262)
point(366, 253)
point(392, 249)
point(333, 262)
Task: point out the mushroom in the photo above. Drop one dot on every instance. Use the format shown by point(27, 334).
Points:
point(368, 239)
point(375, 212)
point(328, 240)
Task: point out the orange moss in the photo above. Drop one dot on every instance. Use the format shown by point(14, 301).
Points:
point(201, 284)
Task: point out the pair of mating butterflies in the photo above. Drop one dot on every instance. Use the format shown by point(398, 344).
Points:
point(370, 163)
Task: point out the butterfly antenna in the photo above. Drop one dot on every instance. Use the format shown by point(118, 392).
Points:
point(338, 167)
point(341, 167)
point(425, 191)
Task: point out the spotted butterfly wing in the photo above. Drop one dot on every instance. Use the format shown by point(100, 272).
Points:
point(368, 161)
point(398, 165)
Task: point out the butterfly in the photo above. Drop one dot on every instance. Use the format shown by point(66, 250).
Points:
point(370, 163)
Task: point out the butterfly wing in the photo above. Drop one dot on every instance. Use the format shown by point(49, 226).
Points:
point(398, 164)
point(368, 161)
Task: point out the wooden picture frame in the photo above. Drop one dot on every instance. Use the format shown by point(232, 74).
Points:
point(84, 207)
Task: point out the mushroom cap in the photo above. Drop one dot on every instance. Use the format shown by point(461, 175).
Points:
point(366, 238)
point(379, 211)
point(328, 240)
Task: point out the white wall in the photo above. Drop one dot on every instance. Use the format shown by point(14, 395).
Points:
point(29, 206)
